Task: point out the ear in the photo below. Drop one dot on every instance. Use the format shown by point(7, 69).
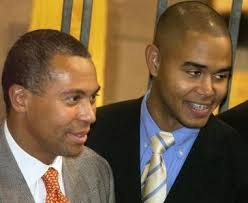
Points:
point(152, 59)
point(18, 97)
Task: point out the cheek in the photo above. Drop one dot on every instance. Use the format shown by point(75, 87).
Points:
point(62, 115)
point(94, 108)
point(174, 80)
point(182, 88)
point(221, 90)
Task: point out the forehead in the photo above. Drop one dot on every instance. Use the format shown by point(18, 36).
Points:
point(204, 48)
point(72, 72)
point(68, 64)
point(204, 39)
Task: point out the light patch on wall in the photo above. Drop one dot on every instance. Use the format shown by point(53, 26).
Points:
point(97, 43)
point(76, 18)
point(224, 6)
point(239, 88)
point(46, 14)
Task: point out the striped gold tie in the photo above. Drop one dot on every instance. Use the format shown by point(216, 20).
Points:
point(153, 179)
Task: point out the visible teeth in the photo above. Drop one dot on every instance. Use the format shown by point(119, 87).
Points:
point(199, 107)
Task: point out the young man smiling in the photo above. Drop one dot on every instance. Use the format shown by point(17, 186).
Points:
point(49, 84)
point(189, 63)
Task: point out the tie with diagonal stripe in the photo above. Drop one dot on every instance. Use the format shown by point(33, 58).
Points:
point(153, 179)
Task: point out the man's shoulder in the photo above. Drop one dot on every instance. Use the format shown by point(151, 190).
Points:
point(218, 141)
point(117, 113)
point(112, 123)
point(91, 172)
point(236, 117)
point(119, 107)
point(88, 159)
point(90, 165)
point(218, 126)
point(219, 133)
point(236, 112)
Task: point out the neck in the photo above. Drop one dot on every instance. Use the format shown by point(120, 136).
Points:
point(161, 114)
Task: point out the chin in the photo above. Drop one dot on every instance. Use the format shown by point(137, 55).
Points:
point(195, 123)
point(73, 152)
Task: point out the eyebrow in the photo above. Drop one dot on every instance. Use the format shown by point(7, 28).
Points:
point(79, 91)
point(97, 90)
point(201, 66)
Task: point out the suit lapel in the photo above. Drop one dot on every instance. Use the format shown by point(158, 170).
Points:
point(198, 170)
point(116, 136)
point(187, 175)
point(13, 185)
point(127, 165)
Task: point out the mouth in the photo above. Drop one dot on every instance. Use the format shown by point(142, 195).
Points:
point(200, 110)
point(78, 137)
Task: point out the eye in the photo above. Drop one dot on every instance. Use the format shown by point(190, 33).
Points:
point(194, 73)
point(93, 98)
point(222, 75)
point(72, 100)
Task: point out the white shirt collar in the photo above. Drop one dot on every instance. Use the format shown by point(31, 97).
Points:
point(29, 164)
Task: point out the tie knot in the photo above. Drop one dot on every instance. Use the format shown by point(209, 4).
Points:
point(162, 141)
point(50, 178)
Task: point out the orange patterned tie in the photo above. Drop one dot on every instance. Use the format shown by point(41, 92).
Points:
point(54, 194)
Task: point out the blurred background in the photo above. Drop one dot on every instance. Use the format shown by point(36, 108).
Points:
point(120, 31)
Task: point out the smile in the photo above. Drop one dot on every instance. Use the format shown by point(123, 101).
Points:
point(79, 137)
point(200, 107)
point(199, 110)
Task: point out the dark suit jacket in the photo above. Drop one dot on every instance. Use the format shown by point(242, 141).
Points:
point(207, 176)
point(237, 117)
point(87, 178)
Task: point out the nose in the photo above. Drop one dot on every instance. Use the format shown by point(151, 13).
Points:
point(206, 87)
point(87, 112)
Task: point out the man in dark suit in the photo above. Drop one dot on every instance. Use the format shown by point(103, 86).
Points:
point(49, 85)
point(190, 64)
point(237, 118)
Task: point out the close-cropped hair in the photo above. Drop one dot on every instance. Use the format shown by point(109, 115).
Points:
point(27, 62)
point(189, 16)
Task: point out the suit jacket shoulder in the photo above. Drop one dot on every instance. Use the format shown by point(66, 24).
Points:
point(212, 169)
point(118, 121)
point(115, 136)
point(118, 111)
point(88, 178)
point(237, 118)
point(13, 187)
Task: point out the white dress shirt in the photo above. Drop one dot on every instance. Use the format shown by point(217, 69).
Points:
point(32, 169)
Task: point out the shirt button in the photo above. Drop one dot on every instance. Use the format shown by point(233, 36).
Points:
point(145, 145)
point(180, 153)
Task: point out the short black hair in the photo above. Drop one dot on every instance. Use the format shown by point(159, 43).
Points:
point(27, 63)
point(189, 16)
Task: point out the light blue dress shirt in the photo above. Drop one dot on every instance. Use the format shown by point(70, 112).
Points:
point(174, 156)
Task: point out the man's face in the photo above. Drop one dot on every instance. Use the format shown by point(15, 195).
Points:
point(58, 120)
point(191, 81)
